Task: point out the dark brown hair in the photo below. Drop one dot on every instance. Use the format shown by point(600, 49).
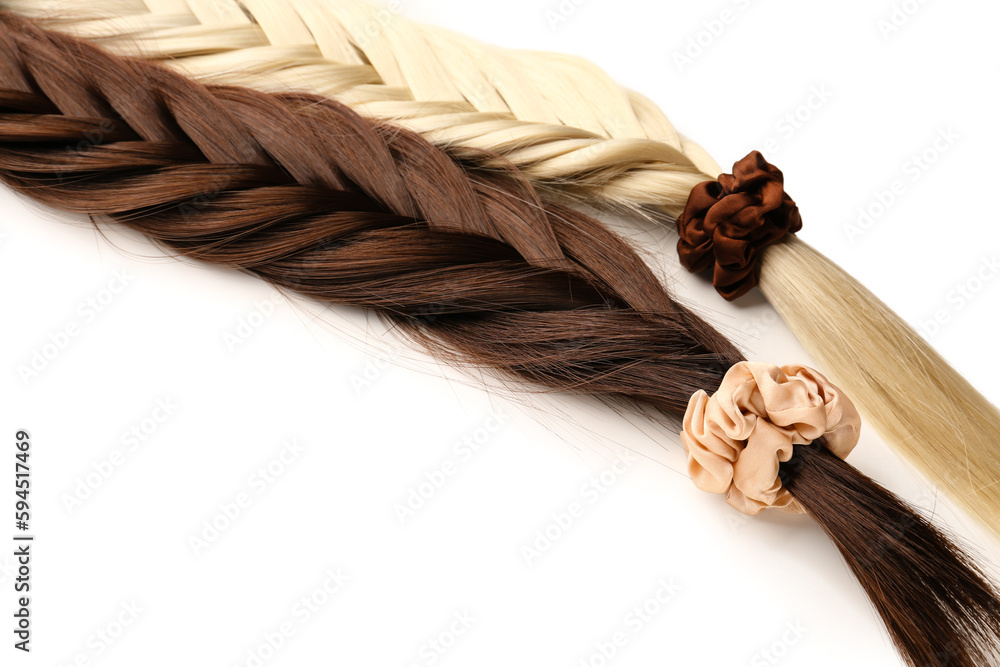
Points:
point(313, 198)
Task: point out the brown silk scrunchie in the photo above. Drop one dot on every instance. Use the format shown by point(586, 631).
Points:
point(726, 223)
point(736, 438)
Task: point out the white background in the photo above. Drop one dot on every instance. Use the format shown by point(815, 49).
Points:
point(374, 417)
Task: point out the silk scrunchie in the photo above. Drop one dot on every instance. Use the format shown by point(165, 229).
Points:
point(726, 223)
point(736, 438)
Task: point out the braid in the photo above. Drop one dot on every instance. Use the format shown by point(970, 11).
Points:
point(347, 211)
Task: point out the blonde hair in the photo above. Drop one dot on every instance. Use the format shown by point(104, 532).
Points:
point(577, 134)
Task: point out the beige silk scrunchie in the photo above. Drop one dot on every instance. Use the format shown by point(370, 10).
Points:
point(736, 438)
